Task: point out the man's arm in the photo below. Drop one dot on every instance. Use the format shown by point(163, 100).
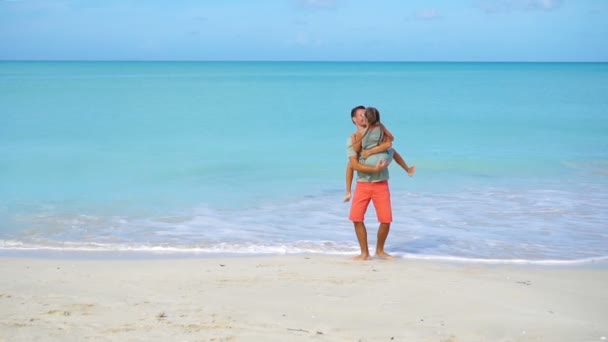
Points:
point(354, 163)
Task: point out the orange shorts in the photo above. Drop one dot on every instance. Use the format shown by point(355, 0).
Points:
point(376, 192)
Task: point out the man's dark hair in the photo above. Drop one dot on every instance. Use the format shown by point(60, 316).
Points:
point(354, 111)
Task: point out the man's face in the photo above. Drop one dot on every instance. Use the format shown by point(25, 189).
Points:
point(359, 118)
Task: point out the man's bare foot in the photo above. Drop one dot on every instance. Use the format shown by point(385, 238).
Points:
point(362, 257)
point(411, 170)
point(384, 255)
point(347, 197)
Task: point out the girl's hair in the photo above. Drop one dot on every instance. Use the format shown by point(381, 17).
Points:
point(372, 115)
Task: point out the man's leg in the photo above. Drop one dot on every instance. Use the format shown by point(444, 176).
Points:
point(382, 235)
point(381, 197)
point(358, 207)
point(362, 238)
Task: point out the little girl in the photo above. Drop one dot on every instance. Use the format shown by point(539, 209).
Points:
point(383, 144)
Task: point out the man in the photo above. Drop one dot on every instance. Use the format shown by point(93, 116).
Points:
point(372, 185)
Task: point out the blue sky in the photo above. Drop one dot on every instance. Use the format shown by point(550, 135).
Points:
point(342, 30)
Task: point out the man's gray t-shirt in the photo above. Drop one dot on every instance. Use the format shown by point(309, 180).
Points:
point(371, 139)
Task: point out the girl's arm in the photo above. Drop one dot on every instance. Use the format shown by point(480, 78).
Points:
point(387, 133)
point(385, 145)
point(387, 142)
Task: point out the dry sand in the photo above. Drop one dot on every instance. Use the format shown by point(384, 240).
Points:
point(298, 298)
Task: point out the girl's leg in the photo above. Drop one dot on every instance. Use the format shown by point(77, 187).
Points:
point(399, 160)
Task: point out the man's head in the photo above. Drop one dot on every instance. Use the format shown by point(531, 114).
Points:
point(357, 115)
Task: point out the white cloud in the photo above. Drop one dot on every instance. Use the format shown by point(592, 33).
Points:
point(545, 4)
point(424, 14)
point(40, 6)
point(427, 14)
point(501, 6)
point(317, 4)
point(304, 39)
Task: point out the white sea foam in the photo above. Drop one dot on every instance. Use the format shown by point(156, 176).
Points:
point(303, 247)
point(497, 225)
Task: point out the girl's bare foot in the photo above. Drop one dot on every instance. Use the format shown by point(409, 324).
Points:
point(411, 170)
point(347, 197)
point(384, 255)
point(362, 257)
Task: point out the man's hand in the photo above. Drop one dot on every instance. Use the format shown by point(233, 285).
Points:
point(347, 197)
point(383, 164)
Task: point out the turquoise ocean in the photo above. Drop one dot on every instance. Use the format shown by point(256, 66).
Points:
point(248, 158)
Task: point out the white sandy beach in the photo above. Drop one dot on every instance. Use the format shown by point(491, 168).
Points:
point(298, 298)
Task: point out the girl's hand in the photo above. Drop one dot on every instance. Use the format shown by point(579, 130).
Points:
point(365, 154)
